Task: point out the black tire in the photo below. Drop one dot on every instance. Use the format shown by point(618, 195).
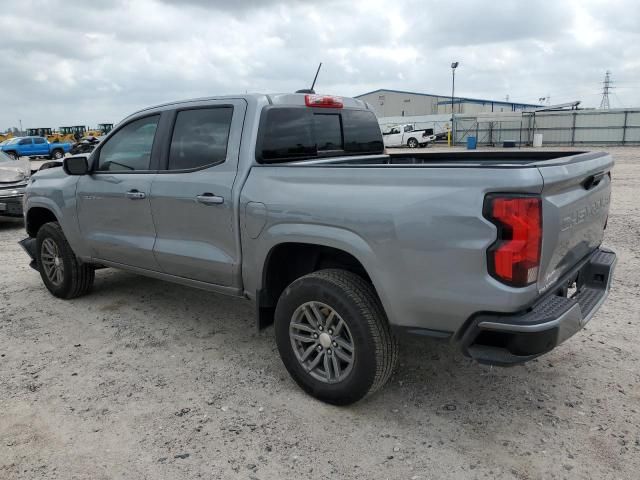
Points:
point(77, 278)
point(57, 154)
point(412, 143)
point(354, 300)
point(13, 155)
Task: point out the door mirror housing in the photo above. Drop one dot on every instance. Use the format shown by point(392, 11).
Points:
point(77, 165)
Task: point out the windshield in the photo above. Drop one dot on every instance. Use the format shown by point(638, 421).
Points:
point(13, 141)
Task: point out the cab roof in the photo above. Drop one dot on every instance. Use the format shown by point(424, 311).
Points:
point(293, 99)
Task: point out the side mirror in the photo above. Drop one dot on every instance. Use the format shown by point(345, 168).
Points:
point(75, 165)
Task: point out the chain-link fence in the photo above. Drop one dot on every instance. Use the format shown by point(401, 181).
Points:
point(574, 127)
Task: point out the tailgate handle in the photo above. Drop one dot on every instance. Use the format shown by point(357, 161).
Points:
point(593, 180)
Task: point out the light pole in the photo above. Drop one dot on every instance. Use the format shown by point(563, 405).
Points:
point(454, 65)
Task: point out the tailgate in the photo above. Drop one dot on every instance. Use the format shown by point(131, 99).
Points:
point(575, 207)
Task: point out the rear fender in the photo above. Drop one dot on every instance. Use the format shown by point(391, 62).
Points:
point(313, 234)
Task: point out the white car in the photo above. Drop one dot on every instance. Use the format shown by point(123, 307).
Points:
point(407, 135)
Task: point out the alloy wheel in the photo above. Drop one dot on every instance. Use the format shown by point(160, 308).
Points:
point(52, 262)
point(322, 342)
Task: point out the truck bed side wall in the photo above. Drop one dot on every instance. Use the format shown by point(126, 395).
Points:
point(419, 232)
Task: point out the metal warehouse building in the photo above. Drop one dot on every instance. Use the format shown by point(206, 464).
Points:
point(396, 103)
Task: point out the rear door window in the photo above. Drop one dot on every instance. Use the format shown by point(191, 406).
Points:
point(200, 138)
point(38, 140)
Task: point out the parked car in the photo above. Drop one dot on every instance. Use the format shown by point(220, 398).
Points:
point(34, 147)
point(14, 175)
point(407, 136)
point(288, 200)
point(85, 145)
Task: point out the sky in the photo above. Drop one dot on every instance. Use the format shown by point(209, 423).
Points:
point(72, 63)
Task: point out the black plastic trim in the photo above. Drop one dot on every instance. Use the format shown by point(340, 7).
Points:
point(402, 331)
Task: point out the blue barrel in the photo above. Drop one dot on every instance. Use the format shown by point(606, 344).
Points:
point(471, 143)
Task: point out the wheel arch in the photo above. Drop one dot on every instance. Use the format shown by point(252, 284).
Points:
point(37, 216)
point(296, 256)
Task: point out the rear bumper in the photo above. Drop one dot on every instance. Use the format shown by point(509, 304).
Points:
point(507, 339)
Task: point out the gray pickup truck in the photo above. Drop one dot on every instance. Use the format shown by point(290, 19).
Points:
point(290, 201)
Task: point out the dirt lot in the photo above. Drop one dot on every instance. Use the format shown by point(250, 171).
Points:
point(144, 379)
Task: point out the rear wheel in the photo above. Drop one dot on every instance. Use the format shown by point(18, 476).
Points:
point(412, 143)
point(57, 154)
point(61, 271)
point(333, 336)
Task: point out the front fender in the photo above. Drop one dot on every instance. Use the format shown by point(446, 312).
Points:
point(56, 192)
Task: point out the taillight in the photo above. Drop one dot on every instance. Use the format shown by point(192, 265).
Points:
point(514, 258)
point(323, 101)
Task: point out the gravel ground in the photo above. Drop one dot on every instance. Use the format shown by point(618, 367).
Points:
point(144, 379)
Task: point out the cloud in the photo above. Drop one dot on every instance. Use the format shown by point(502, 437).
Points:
point(79, 65)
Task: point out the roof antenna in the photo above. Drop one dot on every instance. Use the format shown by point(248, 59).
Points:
point(311, 90)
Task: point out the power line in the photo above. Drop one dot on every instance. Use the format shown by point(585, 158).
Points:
point(618, 100)
point(607, 86)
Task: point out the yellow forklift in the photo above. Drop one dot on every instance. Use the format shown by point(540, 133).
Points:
point(47, 133)
point(103, 129)
point(72, 134)
point(5, 136)
point(39, 132)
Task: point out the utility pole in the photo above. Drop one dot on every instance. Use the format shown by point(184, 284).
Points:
point(20, 126)
point(454, 65)
point(607, 86)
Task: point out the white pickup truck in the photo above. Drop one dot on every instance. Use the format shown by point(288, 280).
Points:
point(407, 135)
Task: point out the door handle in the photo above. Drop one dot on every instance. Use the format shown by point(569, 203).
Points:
point(135, 195)
point(209, 199)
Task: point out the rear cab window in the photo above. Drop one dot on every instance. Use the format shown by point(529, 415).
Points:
point(289, 133)
point(327, 129)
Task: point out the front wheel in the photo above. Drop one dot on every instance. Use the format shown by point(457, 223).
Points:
point(333, 336)
point(412, 143)
point(61, 271)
